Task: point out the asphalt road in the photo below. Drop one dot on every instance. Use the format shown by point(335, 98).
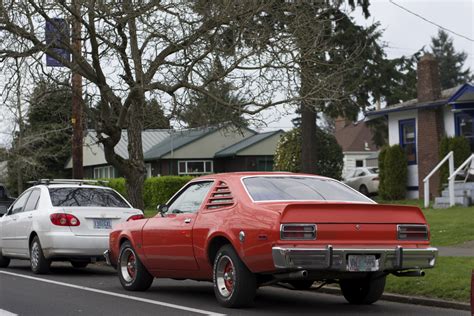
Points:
point(97, 291)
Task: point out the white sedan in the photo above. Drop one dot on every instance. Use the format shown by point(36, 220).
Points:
point(364, 179)
point(62, 221)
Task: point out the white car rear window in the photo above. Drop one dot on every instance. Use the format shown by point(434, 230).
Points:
point(77, 196)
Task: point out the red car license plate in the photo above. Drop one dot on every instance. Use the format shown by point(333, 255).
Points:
point(362, 263)
point(102, 224)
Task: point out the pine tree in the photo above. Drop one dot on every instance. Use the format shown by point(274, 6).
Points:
point(451, 63)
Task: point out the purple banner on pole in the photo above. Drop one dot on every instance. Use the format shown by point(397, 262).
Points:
point(57, 36)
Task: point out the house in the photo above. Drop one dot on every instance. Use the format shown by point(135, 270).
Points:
point(355, 139)
point(419, 124)
point(193, 151)
point(94, 162)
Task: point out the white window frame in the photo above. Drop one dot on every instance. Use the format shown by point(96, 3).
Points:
point(148, 170)
point(180, 172)
point(107, 171)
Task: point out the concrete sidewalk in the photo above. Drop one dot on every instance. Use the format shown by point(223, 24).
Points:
point(462, 250)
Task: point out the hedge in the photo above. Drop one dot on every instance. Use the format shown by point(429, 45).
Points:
point(461, 150)
point(393, 173)
point(157, 190)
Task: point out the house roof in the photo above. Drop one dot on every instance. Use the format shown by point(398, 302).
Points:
point(414, 104)
point(245, 143)
point(355, 137)
point(179, 139)
point(150, 138)
point(94, 152)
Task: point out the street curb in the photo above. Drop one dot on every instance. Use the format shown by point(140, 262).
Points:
point(408, 299)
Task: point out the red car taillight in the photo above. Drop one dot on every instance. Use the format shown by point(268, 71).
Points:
point(61, 219)
point(298, 231)
point(135, 217)
point(412, 232)
point(375, 179)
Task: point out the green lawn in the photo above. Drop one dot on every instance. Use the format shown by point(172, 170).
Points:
point(449, 280)
point(150, 212)
point(449, 226)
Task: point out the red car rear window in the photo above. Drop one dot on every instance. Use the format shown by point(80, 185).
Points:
point(300, 189)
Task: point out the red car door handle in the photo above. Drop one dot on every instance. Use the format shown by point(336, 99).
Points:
point(187, 220)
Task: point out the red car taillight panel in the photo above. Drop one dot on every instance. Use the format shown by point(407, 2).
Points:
point(135, 217)
point(62, 219)
point(412, 232)
point(298, 231)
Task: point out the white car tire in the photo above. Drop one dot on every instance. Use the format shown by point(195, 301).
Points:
point(39, 264)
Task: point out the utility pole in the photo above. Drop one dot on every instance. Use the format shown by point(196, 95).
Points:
point(77, 136)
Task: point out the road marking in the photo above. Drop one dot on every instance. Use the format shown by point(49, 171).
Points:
point(129, 297)
point(6, 313)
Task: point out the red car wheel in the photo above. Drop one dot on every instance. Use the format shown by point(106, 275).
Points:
point(132, 273)
point(234, 284)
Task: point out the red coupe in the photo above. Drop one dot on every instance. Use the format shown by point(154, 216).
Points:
point(246, 230)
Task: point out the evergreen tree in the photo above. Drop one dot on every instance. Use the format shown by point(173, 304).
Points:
point(205, 110)
point(155, 117)
point(46, 143)
point(450, 62)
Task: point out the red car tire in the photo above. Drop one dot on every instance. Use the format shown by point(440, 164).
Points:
point(363, 291)
point(234, 284)
point(132, 273)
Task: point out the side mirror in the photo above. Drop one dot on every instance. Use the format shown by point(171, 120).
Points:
point(162, 209)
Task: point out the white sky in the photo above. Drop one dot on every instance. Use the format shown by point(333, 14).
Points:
point(405, 33)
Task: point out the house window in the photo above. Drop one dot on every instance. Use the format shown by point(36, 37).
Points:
point(465, 126)
point(265, 164)
point(195, 167)
point(148, 170)
point(104, 172)
point(359, 163)
point(407, 130)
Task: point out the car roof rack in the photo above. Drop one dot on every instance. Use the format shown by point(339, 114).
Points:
point(67, 181)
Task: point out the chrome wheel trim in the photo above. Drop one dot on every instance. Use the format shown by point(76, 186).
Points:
point(128, 265)
point(35, 254)
point(225, 276)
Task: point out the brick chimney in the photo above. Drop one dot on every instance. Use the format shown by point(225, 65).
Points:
point(428, 85)
point(341, 122)
point(430, 123)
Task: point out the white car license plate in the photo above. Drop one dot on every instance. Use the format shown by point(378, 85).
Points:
point(102, 223)
point(362, 263)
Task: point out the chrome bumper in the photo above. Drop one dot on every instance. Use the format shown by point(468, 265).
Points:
point(107, 257)
point(335, 259)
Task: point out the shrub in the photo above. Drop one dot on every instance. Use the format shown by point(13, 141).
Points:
point(382, 155)
point(393, 174)
point(157, 190)
point(461, 149)
point(330, 157)
point(118, 184)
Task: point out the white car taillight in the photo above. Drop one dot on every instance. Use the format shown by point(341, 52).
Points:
point(135, 217)
point(61, 219)
point(298, 231)
point(412, 232)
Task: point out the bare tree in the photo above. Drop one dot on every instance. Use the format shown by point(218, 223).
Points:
point(135, 49)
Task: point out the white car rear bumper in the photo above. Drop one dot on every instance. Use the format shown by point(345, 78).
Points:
point(66, 244)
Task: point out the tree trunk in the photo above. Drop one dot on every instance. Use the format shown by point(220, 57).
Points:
point(308, 142)
point(308, 118)
point(135, 177)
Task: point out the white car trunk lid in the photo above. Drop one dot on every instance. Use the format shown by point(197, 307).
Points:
point(95, 221)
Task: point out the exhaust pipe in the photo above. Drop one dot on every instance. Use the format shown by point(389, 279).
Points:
point(302, 274)
point(413, 273)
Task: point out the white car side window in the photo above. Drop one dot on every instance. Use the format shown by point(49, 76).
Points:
point(19, 204)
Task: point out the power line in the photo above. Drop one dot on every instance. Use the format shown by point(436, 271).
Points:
point(429, 21)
